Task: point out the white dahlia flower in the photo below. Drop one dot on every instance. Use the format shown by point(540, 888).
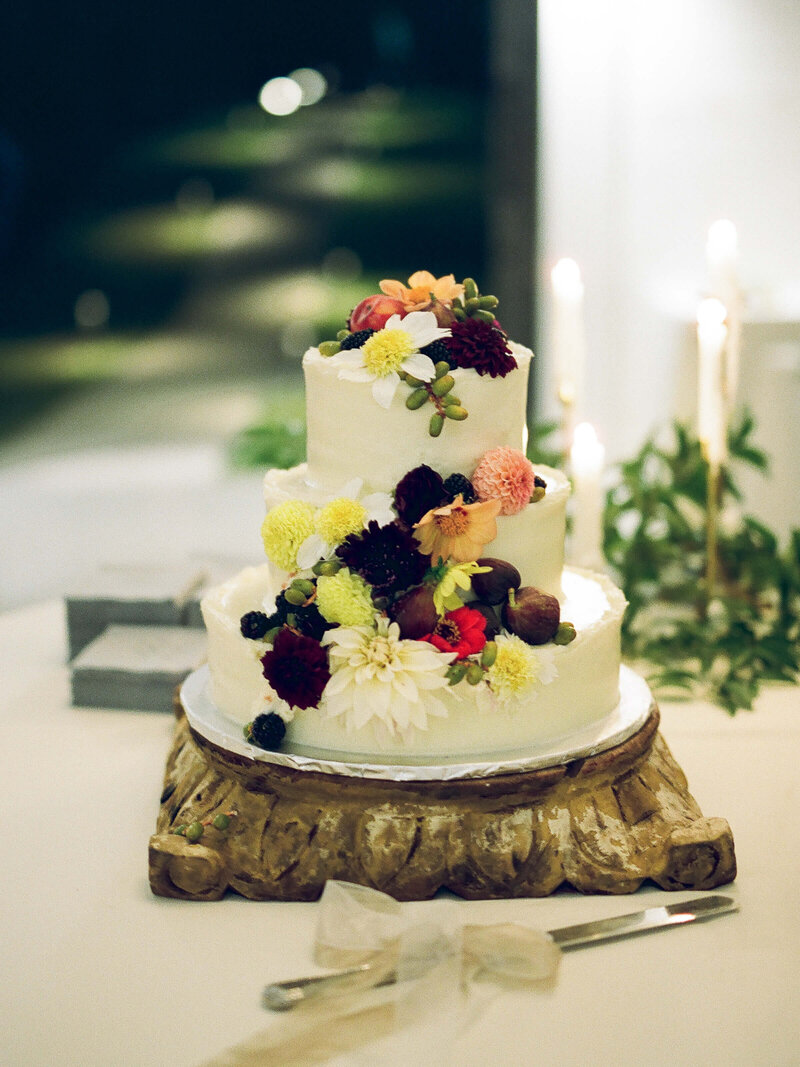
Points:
point(376, 674)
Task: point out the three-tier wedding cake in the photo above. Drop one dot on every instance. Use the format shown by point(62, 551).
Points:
point(415, 604)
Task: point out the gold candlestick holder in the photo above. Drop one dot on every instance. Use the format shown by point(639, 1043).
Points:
point(712, 527)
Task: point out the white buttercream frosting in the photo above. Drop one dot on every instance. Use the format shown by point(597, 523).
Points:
point(586, 687)
point(351, 436)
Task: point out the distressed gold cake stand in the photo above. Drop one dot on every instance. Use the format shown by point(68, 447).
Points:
point(602, 824)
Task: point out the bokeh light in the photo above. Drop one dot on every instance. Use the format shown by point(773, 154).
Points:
point(92, 310)
point(313, 85)
point(342, 263)
point(280, 96)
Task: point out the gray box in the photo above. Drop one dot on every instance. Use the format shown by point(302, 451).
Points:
point(136, 666)
point(131, 594)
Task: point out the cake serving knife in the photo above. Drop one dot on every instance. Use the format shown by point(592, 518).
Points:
point(281, 996)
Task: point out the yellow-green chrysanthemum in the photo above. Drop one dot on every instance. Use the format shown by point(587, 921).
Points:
point(345, 598)
point(339, 518)
point(519, 669)
point(284, 529)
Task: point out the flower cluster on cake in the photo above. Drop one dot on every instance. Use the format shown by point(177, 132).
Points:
point(415, 602)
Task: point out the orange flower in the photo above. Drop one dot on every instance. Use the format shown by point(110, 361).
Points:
point(423, 290)
point(457, 531)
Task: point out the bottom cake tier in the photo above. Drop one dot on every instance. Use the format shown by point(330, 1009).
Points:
point(629, 714)
point(581, 691)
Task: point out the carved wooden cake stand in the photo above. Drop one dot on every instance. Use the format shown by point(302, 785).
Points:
point(603, 824)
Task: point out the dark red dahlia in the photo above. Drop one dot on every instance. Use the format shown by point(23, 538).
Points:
point(461, 631)
point(418, 492)
point(296, 668)
point(481, 346)
point(387, 557)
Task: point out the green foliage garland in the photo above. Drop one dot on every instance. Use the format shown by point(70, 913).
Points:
point(720, 647)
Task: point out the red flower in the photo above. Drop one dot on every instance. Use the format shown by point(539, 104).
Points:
point(460, 631)
point(297, 668)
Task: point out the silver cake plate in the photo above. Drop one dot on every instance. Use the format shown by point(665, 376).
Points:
point(632, 711)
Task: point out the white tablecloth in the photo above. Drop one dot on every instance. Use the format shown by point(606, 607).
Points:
point(97, 971)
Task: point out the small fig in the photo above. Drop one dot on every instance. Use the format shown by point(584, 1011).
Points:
point(489, 654)
point(532, 615)
point(415, 613)
point(493, 586)
point(474, 673)
point(493, 626)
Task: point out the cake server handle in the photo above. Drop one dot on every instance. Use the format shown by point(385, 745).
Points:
point(281, 996)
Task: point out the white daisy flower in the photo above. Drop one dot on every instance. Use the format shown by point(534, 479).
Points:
point(376, 674)
point(394, 348)
point(342, 515)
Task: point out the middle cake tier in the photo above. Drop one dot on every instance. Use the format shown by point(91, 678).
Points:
point(532, 540)
point(581, 682)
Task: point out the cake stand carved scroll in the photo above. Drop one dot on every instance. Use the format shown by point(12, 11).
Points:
point(603, 824)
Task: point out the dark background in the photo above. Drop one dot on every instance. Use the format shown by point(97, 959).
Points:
point(80, 82)
point(93, 95)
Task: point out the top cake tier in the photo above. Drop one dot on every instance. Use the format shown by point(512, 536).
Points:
point(351, 436)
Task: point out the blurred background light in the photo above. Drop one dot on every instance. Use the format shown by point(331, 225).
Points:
point(280, 96)
point(92, 310)
point(296, 336)
point(313, 85)
point(191, 230)
point(342, 263)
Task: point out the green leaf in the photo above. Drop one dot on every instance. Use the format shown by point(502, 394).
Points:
point(272, 444)
point(655, 542)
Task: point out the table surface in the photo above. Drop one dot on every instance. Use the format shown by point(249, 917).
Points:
point(96, 970)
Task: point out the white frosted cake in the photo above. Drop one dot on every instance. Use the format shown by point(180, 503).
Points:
point(414, 604)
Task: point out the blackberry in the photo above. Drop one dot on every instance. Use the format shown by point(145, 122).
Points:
point(456, 484)
point(356, 340)
point(282, 609)
point(254, 625)
point(539, 482)
point(267, 731)
point(438, 350)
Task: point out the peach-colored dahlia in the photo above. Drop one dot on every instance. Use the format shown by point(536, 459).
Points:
point(507, 475)
point(423, 291)
point(457, 531)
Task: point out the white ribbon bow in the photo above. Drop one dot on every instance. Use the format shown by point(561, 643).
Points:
point(435, 972)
